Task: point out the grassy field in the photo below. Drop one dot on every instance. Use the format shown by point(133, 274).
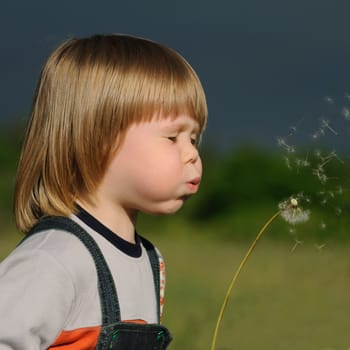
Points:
point(285, 299)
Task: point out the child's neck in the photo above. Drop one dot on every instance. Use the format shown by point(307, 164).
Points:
point(116, 219)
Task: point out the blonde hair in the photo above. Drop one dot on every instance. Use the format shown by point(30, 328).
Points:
point(89, 92)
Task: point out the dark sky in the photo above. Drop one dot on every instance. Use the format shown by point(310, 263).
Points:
point(265, 65)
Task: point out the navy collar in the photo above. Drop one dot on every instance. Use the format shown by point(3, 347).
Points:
point(132, 249)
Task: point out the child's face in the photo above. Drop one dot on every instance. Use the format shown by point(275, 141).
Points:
point(156, 167)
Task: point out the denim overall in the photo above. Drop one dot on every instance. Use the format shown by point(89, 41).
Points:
point(114, 335)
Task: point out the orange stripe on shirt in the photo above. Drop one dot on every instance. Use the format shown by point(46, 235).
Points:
point(138, 321)
point(77, 339)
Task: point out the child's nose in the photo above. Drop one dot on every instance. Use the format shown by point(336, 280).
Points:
point(190, 154)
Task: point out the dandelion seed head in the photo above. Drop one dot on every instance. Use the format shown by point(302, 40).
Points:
point(292, 213)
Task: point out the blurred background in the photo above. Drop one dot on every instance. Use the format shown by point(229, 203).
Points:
point(276, 75)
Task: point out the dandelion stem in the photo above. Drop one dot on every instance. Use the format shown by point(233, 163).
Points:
point(235, 277)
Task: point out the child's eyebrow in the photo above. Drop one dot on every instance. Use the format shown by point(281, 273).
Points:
point(181, 126)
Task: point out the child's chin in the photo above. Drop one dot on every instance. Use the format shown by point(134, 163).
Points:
point(169, 208)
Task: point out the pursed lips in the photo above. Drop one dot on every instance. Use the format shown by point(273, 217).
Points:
point(193, 184)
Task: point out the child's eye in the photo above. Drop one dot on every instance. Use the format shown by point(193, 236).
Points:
point(172, 138)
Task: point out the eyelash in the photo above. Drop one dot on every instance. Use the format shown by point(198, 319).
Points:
point(194, 141)
point(172, 138)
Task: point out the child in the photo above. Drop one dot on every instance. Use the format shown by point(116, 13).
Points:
point(113, 132)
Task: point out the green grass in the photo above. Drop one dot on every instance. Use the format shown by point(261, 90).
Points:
point(284, 300)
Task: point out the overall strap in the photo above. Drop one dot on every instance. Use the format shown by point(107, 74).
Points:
point(106, 287)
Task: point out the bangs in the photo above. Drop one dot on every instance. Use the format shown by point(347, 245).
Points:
point(170, 96)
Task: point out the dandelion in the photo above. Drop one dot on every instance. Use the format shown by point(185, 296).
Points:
point(290, 211)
